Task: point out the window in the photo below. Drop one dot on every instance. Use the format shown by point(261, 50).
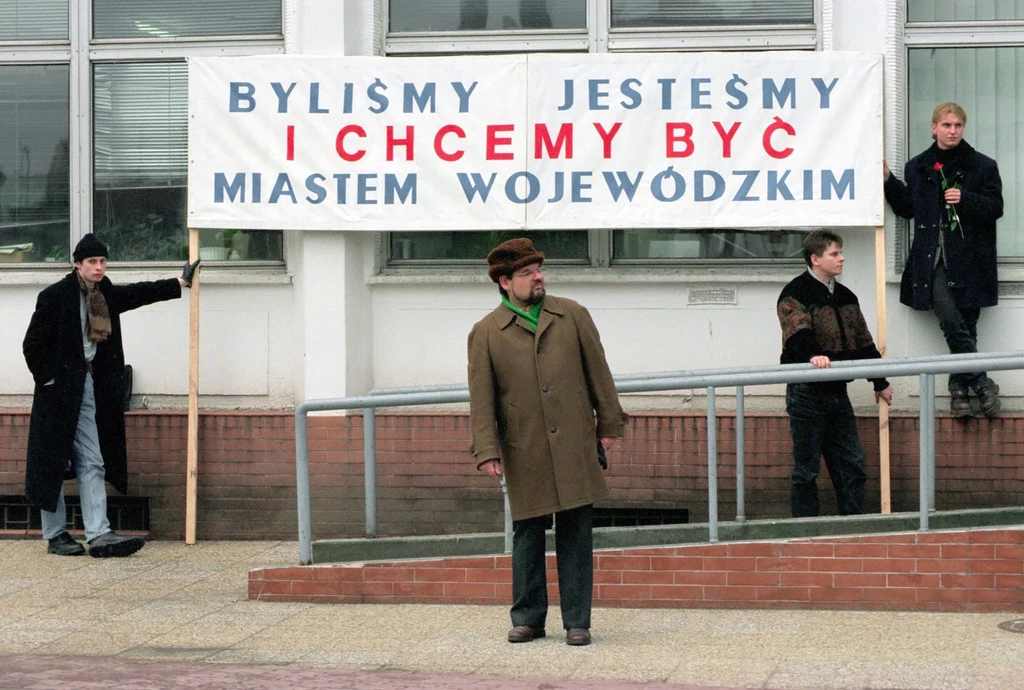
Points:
point(418, 27)
point(952, 58)
point(33, 20)
point(486, 15)
point(165, 19)
point(568, 247)
point(34, 189)
point(133, 81)
point(671, 13)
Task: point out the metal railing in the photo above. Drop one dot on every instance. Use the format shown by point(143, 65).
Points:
point(710, 379)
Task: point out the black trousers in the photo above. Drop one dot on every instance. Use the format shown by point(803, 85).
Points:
point(822, 423)
point(960, 328)
point(574, 551)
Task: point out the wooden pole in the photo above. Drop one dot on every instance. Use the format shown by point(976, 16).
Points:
point(881, 341)
point(192, 457)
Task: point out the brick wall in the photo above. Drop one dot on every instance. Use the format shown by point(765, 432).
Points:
point(427, 483)
point(976, 570)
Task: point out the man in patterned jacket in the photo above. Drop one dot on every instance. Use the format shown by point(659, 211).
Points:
point(821, 323)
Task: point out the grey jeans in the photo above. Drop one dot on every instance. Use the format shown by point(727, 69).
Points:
point(89, 469)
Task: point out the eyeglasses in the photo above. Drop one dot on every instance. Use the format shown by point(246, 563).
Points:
point(527, 273)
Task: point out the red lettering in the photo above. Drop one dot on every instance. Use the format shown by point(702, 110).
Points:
point(290, 144)
point(766, 139)
point(339, 143)
point(606, 137)
point(542, 140)
point(675, 133)
point(441, 133)
point(493, 141)
point(393, 143)
point(726, 137)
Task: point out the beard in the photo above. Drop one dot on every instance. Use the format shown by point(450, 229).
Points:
point(535, 297)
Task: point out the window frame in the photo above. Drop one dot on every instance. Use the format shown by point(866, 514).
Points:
point(81, 52)
point(940, 35)
point(599, 37)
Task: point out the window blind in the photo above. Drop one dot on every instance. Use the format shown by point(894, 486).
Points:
point(987, 82)
point(33, 20)
point(964, 10)
point(140, 125)
point(164, 19)
point(486, 15)
point(630, 14)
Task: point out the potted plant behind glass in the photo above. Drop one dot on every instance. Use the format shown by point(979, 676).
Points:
point(221, 253)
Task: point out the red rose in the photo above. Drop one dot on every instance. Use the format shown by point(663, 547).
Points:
point(937, 166)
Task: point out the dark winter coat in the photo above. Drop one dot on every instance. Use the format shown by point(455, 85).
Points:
point(818, 322)
point(54, 351)
point(970, 259)
point(532, 404)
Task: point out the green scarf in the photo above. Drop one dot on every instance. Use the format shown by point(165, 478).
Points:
point(530, 317)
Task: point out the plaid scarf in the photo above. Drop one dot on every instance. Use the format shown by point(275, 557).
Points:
point(95, 310)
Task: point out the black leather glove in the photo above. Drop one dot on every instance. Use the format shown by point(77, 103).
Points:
point(188, 271)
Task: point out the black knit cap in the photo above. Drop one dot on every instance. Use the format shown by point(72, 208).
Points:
point(88, 247)
point(508, 257)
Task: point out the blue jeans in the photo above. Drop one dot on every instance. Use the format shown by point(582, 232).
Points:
point(822, 423)
point(959, 326)
point(574, 551)
point(89, 470)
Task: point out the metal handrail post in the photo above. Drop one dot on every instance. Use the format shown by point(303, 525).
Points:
point(740, 467)
point(923, 452)
point(370, 468)
point(931, 443)
point(302, 486)
point(712, 466)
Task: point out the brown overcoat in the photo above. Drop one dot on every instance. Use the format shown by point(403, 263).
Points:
point(533, 399)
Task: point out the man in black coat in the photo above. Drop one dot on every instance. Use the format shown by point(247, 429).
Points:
point(955, 195)
point(73, 349)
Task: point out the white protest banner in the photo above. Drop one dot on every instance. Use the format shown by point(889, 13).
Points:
point(538, 142)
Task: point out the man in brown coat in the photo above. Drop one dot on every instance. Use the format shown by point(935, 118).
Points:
point(537, 375)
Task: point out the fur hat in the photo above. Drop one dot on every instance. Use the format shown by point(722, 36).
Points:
point(508, 257)
point(88, 247)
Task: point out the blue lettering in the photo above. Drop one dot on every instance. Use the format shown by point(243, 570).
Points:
point(241, 97)
point(476, 186)
point(619, 181)
point(403, 191)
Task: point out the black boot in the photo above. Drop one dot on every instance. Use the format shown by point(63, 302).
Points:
point(65, 545)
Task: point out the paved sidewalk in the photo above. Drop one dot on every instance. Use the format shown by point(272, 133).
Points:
point(177, 616)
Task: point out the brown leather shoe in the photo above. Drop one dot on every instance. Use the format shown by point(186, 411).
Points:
point(524, 633)
point(577, 637)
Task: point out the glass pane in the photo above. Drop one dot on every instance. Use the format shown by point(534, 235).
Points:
point(163, 19)
point(989, 84)
point(140, 135)
point(566, 245)
point(34, 167)
point(964, 10)
point(707, 244)
point(486, 15)
point(33, 20)
point(629, 14)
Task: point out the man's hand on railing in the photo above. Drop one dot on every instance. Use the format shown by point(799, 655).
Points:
point(491, 467)
point(885, 395)
point(821, 362)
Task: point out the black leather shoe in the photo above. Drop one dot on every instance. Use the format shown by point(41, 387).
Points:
point(960, 405)
point(987, 397)
point(113, 545)
point(577, 637)
point(65, 545)
point(524, 633)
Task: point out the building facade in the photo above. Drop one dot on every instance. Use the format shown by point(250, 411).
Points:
point(93, 138)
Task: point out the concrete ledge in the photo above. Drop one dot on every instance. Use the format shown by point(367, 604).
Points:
point(446, 546)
